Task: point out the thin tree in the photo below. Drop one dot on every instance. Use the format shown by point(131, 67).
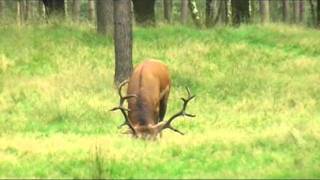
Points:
point(240, 11)
point(91, 10)
point(167, 4)
point(122, 40)
point(210, 8)
point(264, 11)
point(301, 9)
point(23, 11)
point(296, 11)
point(18, 12)
point(105, 17)
point(253, 9)
point(40, 9)
point(318, 13)
point(285, 11)
point(312, 12)
point(144, 12)
point(224, 11)
point(194, 12)
point(273, 10)
point(29, 9)
point(68, 8)
point(2, 9)
point(76, 7)
point(184, 11)
point(110, 19)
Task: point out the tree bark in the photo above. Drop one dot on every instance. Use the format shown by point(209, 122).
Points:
point(301, 9)
point(296, 11)
point(224, 11)
point(144, 12)
point(91, 10)
point(264, 11)
point(26, 9)
point(240, 11)
point(123, 40)
point(76, 7)
point(167, 10)
point(167, 4)
point(253, 9)
point(194, 12)
point(184, 11)
point(105, 17)
point(29, 9)
point(318, 13)
point(41, 11)
point(210, 8)
point(18, 12)
point(54, 7)
point(312, 12)
point(68, 8)
point(285, 11)
point(110, 19)
point(23, 11)
point(2, 9)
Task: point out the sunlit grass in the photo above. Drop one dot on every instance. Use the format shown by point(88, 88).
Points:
point(257, 105)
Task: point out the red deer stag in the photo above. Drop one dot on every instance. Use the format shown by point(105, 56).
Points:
point(147, 96)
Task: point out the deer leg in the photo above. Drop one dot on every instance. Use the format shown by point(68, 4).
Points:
point(163, 107)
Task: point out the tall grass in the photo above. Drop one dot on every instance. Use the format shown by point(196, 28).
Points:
point(257, 105)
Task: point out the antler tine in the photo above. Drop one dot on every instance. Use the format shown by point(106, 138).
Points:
point(120, 87)
point(182, 112)
point(122, 108)
point(175, 130)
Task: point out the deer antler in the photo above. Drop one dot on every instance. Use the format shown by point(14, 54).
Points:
point(122, 108)
point(182, 112)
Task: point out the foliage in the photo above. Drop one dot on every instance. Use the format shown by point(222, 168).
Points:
point(257, 106)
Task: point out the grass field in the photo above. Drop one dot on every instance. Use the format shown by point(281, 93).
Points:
point(257, 105)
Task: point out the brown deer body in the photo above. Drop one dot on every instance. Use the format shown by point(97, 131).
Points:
point(148, 92)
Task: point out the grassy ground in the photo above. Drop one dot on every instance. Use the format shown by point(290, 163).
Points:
point(257, 105)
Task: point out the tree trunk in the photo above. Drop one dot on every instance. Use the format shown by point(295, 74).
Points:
point(2, 9)
point(318, 13)
point(296, 11)
point(167, 4)
point(210, 7)
point(23, 11)
point(184, 11)
point(312, 12)
point(76, 7)
point(105, 17)
point(264, 11)
point(91, 10)
point(54, 7)
point(122, 40)
point(240, 11)
point(68, 7)
point(110, 20)
point(253, 9)
point(301, 9)
point(29, 9)
point(194, 12)
point(285, 11)
point(224, 11)
point(18, 12)
point(144, 12)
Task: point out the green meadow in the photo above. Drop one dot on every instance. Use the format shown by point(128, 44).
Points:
point(257, 104)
